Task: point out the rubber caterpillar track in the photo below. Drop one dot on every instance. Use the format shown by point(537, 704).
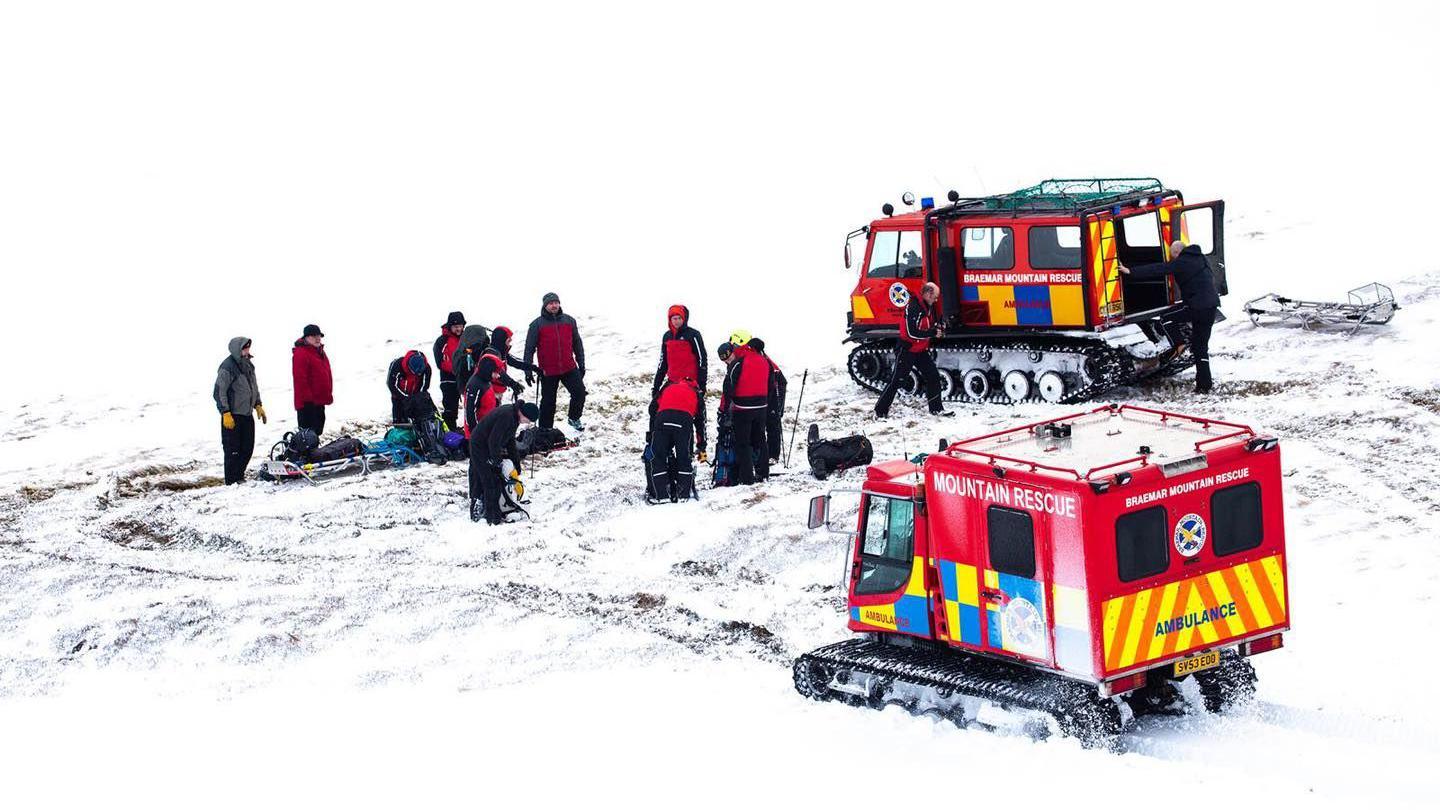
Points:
point(1088, 366)
point(927, 680)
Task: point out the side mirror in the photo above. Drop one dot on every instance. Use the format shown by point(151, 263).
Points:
point(847, 262)
point(819, 511)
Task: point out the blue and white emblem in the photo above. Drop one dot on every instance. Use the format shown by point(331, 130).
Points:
point(1190, 535)
point(899, 296)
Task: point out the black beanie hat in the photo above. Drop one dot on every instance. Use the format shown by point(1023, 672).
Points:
point(549, 297)
point(455, 317)
point(312, 329)
point(530, 410)
point(725, 349)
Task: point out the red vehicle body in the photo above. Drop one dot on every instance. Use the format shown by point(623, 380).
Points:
point(1118, 548)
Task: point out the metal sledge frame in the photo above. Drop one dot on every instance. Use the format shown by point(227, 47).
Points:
point(1370, 305)
point(383, 452)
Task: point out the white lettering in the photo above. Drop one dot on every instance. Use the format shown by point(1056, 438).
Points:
point(1187, 487)
point(1014, 495)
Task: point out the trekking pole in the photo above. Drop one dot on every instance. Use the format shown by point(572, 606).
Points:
point(796, 424)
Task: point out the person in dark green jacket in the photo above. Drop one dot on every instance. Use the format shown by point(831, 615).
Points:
point(237, 397)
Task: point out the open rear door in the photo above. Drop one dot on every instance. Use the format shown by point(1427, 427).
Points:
point(1203, 224)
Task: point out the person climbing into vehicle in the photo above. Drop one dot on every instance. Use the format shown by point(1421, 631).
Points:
point(237, 396)
point(492, 441)
point(445, 350)
point(676, 412)
point(409, 374)
point(748, 392)
point(1197, 291)
point(555, 337)
point(920, 324)
point(775, 414)
point(682, 352)
point(314, 384)
point(491, 377)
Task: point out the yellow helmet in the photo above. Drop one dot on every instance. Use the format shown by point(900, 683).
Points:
point(739, 337)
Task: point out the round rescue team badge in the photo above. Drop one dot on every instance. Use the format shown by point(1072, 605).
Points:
point(1022, 628)
point(899, 296)
point(1190, 535)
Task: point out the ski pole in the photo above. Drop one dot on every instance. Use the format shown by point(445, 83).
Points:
point(796, 424)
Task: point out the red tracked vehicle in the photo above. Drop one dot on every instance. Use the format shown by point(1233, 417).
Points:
point(1032, 300)
point(1063, 576)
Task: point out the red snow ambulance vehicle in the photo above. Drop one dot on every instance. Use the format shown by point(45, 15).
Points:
point(1063, 576)
point(1032, 300)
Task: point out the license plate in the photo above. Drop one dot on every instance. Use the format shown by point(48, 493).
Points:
point(1197, 663)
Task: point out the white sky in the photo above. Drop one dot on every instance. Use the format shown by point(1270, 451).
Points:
point(181, 172)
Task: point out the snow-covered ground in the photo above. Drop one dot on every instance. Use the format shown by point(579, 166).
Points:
point(173, 174)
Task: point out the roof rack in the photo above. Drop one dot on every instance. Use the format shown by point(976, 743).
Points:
point(1069, 194)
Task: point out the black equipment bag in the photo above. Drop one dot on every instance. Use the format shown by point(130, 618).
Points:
point(833, 455)
point(538, 439)
point(343, 447)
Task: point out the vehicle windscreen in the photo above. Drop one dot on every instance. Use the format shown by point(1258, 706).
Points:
point(887, 546)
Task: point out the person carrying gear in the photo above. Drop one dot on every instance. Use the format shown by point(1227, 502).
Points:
point(467, 353)
point(921, 323)
point(775, 414)
point(748, 392)
point(491, 377)
point(555, 337)
point(724, 473)
point(1197, 291)
point(314, 385)
point(408, 375)
point(682, 352)
point(445, 350)
point(237, 395)
point(678, 410)
point(491, 442)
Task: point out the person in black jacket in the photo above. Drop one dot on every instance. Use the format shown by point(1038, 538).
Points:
point(446, 352)
point(775, 415)
point(1197, 291)
point(491, 442)
point(920, 325)
point(407, 376)
point(676, 412)
point(682, 352)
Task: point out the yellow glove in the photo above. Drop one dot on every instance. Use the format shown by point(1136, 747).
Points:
point(227, 421)
point(260, 412)
point(703, 458)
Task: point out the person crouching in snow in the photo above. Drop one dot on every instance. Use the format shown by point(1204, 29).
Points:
point(555, 337)
point(491, 441)
point(491, 377)
point(314, 385)
point(408, 376)
point(682, 352)
point(678, 410)
point(237, 395)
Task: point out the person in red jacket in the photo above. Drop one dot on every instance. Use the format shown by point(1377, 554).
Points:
point(775, 415)
point(682, 352)
point(408, 376)
point(445, 351)
point(921, 323)
point(749, 390)
point(677, 410)
point(555, 337)
point(314, 385)
point(491, 377)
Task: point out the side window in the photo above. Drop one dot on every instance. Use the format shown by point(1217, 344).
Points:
point(896, 254)
point(887, 547)
point(1012, 541)
point(910, 264)
point(987, 248)
point(1141, 230)
point(1235, 523)
point(1055, 247)
point(1142, 547)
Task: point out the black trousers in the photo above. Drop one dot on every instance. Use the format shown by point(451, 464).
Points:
point(574, 383)
point(450, 403)
point(929, 375)
point(672, 442)
point(313, 417)
point(398, 411)
point(239, 445)
point(485, 484)
point(775, 430)
point(1202, 322)
point(748, 431)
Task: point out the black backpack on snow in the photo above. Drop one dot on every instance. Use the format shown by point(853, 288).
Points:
point(833, 455)
point(538, 439)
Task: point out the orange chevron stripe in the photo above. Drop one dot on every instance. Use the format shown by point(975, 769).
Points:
point(1242, 604)
point(1262, 584)
point(1122, 632)
point(1147, 629)
point(1208, 594)
point(1182, 598)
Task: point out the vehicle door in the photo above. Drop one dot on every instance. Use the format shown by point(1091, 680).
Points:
point(1203, 224)
point(1102, 270)
point(894, 271)
point(1016, 550)
point(887, 578)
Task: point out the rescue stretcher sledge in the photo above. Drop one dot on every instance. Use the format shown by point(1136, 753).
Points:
point(379, 454)
point(1370, 305)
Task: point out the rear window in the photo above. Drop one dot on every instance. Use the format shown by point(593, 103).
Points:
point(1012, 541)
point(1235, 519)
point(1142, 547)
point(1054, 247)
point(887, 549)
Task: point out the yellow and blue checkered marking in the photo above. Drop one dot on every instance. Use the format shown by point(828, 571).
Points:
point(1029, 304)
point(908, 614)
point(961, 592)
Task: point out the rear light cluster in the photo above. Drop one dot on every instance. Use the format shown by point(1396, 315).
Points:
point(1265, 644)
point(1120, 686)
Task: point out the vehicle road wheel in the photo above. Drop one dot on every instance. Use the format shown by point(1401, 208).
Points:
point(1052, 386)
point(976, 384)
point(1018, 386)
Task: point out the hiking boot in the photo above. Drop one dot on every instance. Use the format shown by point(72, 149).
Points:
point(575, 423)
point(477, 510)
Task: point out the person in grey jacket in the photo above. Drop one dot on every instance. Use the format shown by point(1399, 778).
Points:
point(237, 396)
